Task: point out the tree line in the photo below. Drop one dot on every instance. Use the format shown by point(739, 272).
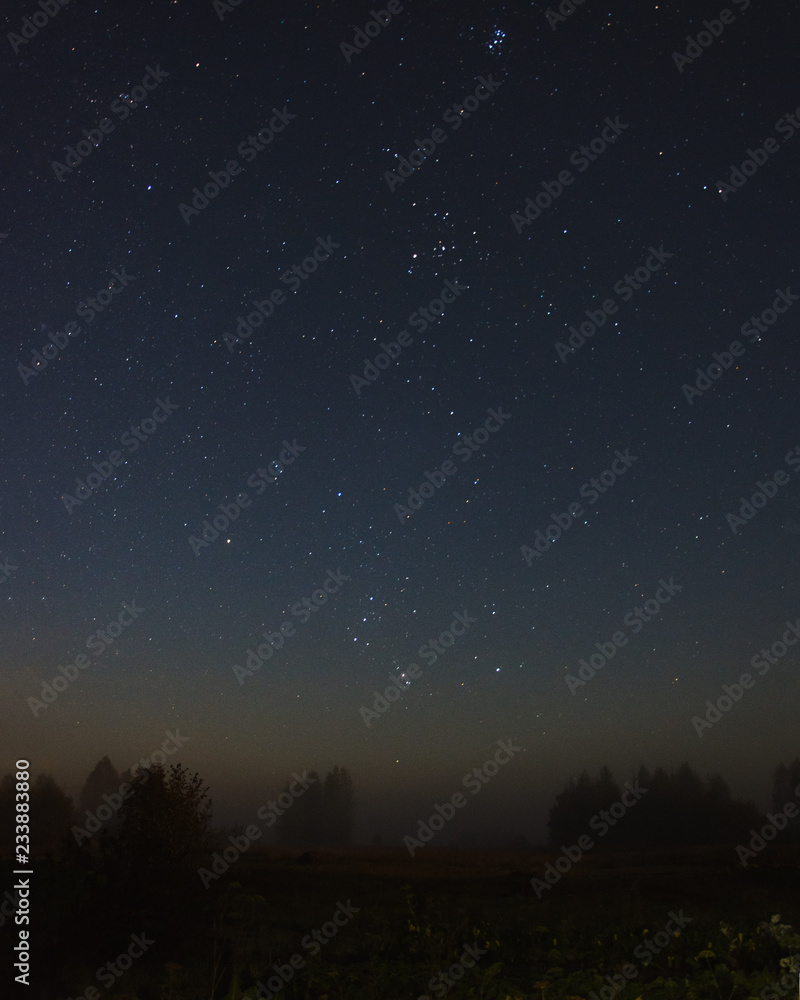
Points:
point(313, 812)
point(138, 866)
point(677, 808)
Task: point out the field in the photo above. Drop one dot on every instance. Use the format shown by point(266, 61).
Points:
point(375, 923)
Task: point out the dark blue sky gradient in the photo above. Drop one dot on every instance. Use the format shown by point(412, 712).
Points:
point(162, 337)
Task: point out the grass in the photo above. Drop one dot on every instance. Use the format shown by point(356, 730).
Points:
point(416, 916)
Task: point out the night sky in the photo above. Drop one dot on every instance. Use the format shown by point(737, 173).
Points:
point(583, 166)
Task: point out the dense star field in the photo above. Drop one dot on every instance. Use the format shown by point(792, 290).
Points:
point(322, 331)
point(407, 390)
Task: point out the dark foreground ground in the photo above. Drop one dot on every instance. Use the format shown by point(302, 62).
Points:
point(375, 923)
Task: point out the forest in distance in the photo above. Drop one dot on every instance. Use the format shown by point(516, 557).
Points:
point(668, 809)
point(220, 913)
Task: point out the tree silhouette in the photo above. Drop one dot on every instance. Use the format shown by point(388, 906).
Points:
point(147, 867)
point(321, 815)
point(99, 796)
point(571, 810)
point(302, 823)
point(164, 824)
point(575, 806)
point(676, 809)
point(102, 780)
point(51, 813)
point(785, 781)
